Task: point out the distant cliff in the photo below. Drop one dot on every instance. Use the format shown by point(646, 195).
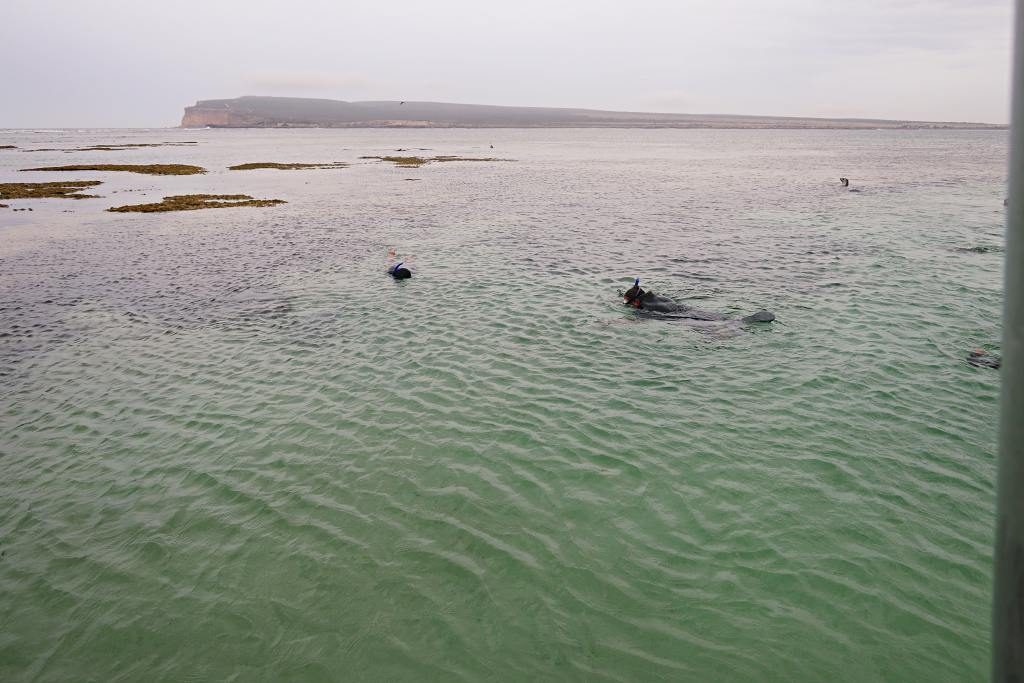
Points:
point(297, 112)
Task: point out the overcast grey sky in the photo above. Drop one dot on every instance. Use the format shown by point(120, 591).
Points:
point(139, 62)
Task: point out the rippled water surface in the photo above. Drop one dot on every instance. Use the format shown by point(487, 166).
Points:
point(233, 449)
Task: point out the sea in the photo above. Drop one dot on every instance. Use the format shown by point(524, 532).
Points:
point(232, 448)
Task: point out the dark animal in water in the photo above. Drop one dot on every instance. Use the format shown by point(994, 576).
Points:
point(398, 272)
point(981, 249)
point(845, 182)
point(649, 301)
point(982, 359)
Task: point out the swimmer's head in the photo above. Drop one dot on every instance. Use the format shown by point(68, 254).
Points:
point(633, 293)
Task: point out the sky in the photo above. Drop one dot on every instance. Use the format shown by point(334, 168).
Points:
point(138, 63)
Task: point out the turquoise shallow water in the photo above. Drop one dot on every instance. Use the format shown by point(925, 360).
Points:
point(232, 449)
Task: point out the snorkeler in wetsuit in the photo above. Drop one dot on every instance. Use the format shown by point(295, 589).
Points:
point(634, 294)
point(398, 272)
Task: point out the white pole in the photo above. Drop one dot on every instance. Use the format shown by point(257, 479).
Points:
point(1008, 588)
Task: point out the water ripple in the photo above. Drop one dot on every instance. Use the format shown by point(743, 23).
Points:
point(233, 449)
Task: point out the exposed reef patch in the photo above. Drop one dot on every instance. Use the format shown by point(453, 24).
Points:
point(401, 162)
point(454, 158)
point(193, 202)
point(416, 162)
point(112, 147)
point(285, 167)
point(149, 169)
point(63, 190)
point(133, 145)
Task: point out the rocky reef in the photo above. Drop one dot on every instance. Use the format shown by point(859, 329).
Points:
point(416, 162)
point(193, 202)
point(285, 167)
point(69, 189)
point(148, 169)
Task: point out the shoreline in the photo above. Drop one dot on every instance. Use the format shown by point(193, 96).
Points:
point(943, 127)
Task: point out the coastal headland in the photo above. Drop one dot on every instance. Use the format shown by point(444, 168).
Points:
point(297, 112)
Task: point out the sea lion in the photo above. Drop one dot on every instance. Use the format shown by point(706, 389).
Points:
point(845, 183)
point(982, 359)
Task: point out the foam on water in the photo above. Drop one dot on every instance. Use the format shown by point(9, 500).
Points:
point(233, 447)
